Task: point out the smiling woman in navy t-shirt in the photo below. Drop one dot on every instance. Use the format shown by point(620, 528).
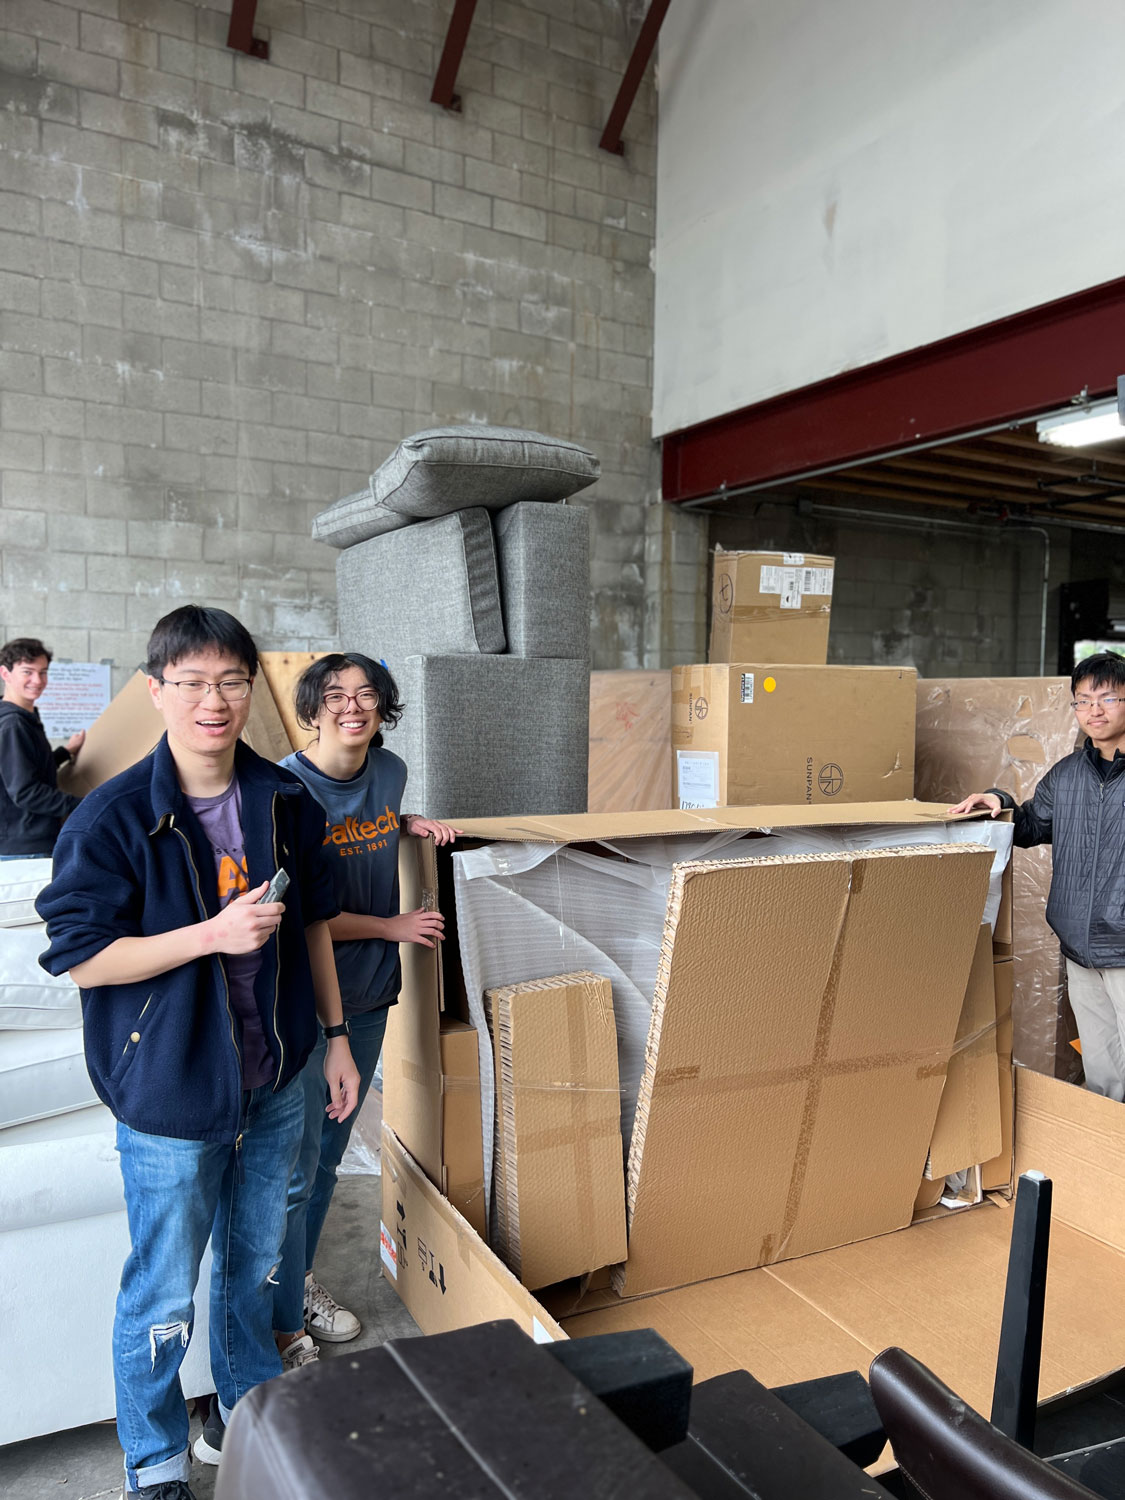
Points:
point(345, 700)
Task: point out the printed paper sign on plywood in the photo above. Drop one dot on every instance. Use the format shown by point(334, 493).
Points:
point(809, 1054)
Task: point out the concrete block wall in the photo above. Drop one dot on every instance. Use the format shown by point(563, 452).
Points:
point(948, 596)
point(228, 287)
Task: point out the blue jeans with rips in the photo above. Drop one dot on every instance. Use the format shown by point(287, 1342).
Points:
point(322, 1149)
point(178, 1194)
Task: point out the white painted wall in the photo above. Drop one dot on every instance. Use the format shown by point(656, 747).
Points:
point(843, 180)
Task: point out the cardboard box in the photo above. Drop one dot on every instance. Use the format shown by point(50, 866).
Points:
point(630, 737)
point(968, 1129)
point(997, 1174)
point(935, 1289)
point(756, 732)
point(560, 1191)
point(810, 1061)
point(462, 1154)
point(770, 606)
point(978, 732)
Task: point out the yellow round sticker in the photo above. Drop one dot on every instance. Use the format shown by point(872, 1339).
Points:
point(769, 684)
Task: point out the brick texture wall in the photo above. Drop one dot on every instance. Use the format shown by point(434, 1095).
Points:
point(228, 287)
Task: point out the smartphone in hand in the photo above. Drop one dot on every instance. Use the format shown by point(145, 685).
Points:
point(276, 889)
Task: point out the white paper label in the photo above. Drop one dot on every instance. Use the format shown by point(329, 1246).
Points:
point(793, 559)
point(388, 1251)
point(697, 778)
point(747, 687)
point(539, 1333)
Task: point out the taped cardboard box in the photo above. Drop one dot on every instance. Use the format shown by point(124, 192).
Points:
point(630, 740)
point(935, 1288)
point(770, 606)
point(756, 732)
point(559, 1188)
point(977, 732)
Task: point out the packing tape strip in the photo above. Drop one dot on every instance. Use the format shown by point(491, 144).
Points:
point(773, 614)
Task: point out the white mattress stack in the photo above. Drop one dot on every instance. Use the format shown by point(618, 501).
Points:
point(45, 1091)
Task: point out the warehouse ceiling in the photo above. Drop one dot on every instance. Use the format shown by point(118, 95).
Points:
point(1008, 474)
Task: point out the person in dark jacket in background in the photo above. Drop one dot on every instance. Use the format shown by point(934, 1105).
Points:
point(199, 1004)
point(1079, 809)
point(32, 808)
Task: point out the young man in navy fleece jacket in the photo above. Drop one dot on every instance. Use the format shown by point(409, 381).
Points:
point(200, 1008)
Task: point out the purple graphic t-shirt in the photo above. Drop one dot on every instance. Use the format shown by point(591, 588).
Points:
point(221, 818)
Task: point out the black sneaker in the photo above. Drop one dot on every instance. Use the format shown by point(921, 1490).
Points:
point(208, 1447)
point(169, 1489)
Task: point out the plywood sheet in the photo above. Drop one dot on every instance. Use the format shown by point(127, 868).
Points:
point(281, 670)
point(630, 741)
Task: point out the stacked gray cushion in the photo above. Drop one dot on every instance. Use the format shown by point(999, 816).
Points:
point(444, 469)
point(432, 587)
point(493, 736)
point(544, 556)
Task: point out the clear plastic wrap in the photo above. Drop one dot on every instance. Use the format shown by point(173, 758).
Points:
point(977, 732)
point(531, 911)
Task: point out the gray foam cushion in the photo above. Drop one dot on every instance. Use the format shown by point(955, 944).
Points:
point(444, 469)
point(492, 736)
point(427, 589)
point(543, 552)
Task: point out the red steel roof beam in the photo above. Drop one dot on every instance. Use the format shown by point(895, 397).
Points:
point(241, 36)
point(459, 23)
point(642, 51)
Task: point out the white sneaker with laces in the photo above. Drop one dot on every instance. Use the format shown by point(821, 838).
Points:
point(324, 1317)
point(300, 1352)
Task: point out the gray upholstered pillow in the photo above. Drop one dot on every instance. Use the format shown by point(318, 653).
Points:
point(430, 588)
point(451, 468)
point(544, 557)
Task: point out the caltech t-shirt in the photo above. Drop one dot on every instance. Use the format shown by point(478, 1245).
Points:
point(361, 847)
point(221, 818)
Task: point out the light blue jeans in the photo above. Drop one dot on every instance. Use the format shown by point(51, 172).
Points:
point(314, 1177)
point(178, 1194)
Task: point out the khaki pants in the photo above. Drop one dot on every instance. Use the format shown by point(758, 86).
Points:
point(1097, 997)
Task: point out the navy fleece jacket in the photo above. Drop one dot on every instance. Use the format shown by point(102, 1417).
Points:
point(133, 861)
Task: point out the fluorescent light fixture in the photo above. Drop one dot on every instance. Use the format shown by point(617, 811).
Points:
point(1099, 422)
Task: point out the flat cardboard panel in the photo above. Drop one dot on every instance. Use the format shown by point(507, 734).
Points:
point(580, 828)
point(462, 1155)
point(265, 733)
point(561, 1184)
point(630, 740)
point(997, 1173)
point(444, 1273)
point(760, 732)
point(770, 606)
point(120, 736)
point(1078, 1140)
point(967, 1131)
point(281, 670)
point(806, 1064)
point(412, 1048)
point(978, 732)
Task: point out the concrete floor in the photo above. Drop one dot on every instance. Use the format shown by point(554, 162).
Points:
point(86, 1464)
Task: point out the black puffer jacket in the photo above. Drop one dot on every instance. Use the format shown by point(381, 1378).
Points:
point(1082, 817)
point(32, 807)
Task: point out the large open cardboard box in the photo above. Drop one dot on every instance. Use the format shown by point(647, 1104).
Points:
point(936, 1286)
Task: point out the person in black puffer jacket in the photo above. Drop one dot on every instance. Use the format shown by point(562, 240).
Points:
point(1079, 809)
point(32, 807)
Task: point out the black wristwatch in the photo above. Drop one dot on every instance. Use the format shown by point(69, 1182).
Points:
point(334, 1031)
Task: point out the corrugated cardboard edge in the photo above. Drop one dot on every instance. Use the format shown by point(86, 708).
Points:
point(968, 1129)
point(579, 828)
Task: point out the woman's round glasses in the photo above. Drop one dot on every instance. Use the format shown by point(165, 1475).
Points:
point(336, 700)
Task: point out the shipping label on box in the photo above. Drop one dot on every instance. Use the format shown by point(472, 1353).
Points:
point(745, 734)
point(771, 606)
